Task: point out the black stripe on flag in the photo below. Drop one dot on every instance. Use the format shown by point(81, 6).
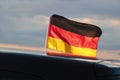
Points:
point(76, 27)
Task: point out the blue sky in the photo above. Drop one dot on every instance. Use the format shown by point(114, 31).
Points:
point(25, 22)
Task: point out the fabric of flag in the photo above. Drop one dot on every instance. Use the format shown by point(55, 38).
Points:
point(72, 38)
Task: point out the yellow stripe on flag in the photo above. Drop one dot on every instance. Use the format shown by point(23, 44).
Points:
point(58, 44)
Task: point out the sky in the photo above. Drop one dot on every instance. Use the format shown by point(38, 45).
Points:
point(25, 22)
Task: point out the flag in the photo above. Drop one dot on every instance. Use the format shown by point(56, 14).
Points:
point(72, 38)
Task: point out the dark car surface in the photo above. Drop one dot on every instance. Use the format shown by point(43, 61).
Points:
point(20, 66)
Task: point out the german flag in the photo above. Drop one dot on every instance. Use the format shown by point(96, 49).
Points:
point(73, 39)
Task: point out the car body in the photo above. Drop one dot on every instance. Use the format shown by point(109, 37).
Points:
point(25, 66)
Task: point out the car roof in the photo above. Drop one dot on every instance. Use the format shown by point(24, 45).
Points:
point(55, 68)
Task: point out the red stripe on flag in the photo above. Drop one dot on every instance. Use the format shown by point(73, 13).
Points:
point(73, 39)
